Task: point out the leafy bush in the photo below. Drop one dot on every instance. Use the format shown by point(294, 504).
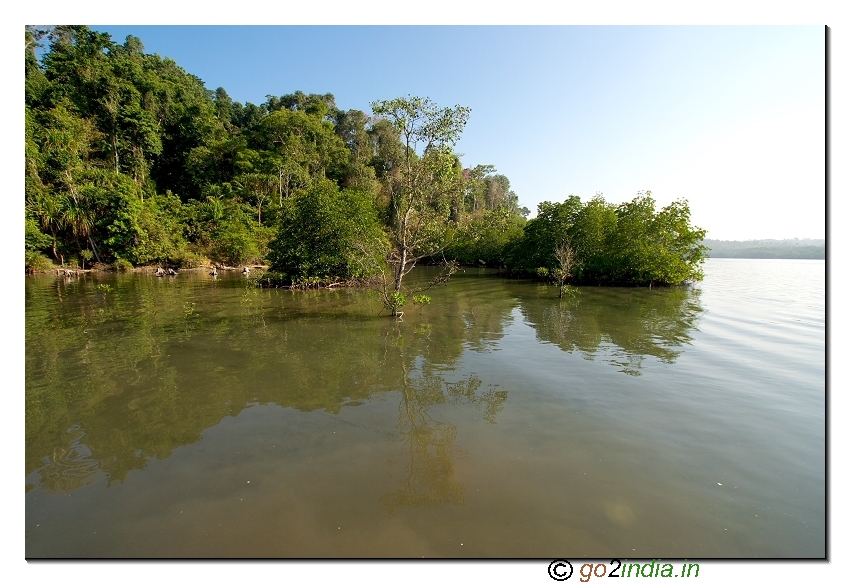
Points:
point(158, 232)
point(225, 230)
point(86, 257)
point(122, 264)
point(626, 244)
point(328, 234)
point(422, 300)
point(187, 259)
point(34, 239)
point(35, 261)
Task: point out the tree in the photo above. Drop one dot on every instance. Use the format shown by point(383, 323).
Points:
point(483, 240)
point(592, 234)
point(425, 191)
point(475, 188)
point(305, 140)
point(59, 171)
point(256, 188)
point(542, 234)
point(223, 107)
point(323, 234)
point(657, 247)
point(319, 106)
point(36, 83)
point(626, 244)
point(566, 258)
point(350, 126)
point(224, 228)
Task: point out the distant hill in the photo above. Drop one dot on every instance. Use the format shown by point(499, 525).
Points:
point(768, 248)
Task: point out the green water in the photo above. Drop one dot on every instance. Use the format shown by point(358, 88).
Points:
point(191, 417)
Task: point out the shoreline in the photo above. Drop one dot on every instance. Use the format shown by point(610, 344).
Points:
point(141, 269)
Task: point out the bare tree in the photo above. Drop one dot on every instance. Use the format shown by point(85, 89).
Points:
point(566, 257)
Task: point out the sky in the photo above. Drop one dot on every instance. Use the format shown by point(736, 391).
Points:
point(730, 118)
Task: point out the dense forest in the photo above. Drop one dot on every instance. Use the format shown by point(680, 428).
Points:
point(132, 161)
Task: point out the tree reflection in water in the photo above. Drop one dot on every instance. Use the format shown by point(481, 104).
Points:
point(621, 326)
point(430, 444)
point(116, 380)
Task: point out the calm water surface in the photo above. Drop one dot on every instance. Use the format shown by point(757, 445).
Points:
point(188, 417)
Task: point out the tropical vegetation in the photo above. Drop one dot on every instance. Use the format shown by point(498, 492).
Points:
point(132, 161)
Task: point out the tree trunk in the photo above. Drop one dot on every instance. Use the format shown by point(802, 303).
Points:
point(53, 247)
point(94, 248)
point(115, 153)
point(400, 271)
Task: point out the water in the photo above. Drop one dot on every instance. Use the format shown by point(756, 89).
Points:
point(188, 417)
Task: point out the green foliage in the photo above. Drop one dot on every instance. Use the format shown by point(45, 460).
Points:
point(328, 234)
point(129, 157)
point(36, 261)
point(422, 299)
point(627, 244)
point(351, 127)
point(273, 279)
point(394, 301)
point(188, 259)
point(660, 247)
point(591, 235)
point(122, 264)
point(104, 288)
point(486, 191)
point(234, 242)
point(223, 229)
point(86, 257)
point(541, 236)
point(426, 191)
point(158, 234)
point(484, 241)
point(305, 139)
point(34, 239)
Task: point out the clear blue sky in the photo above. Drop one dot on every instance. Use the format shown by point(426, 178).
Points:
point(731, 118)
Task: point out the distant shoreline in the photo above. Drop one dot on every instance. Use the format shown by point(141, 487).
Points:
point(767, 249)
